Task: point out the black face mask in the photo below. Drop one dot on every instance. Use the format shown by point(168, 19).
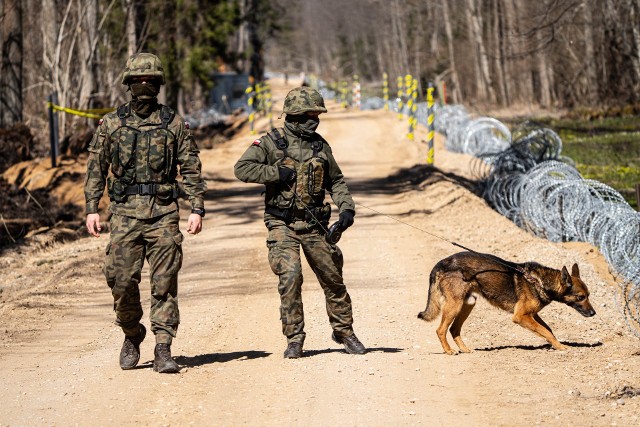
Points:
point(302, 125)
point(144, 97)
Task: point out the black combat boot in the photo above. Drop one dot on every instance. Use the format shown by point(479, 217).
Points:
point(293, 351)
point(163, 362)
point(351, 343)
point(130, 352)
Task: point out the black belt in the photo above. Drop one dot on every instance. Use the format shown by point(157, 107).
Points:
point(144, 189)
point(286, 214)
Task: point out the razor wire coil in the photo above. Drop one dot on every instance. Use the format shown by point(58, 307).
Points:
point(527, 179)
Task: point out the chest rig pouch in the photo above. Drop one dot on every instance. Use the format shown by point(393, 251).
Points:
point(308, 189)
point(143, 158)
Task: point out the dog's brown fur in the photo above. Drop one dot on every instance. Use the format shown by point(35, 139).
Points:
point(455, 283)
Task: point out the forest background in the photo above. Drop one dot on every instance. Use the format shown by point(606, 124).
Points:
point(556, 55)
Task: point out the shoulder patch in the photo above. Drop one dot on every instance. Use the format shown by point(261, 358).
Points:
point(256, 142)
point(186, 125)
point(100, 122)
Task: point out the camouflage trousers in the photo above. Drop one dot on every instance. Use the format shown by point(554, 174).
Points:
point(159, 241)
point(326, 261)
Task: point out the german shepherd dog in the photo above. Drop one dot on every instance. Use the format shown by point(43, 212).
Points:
point(523, 289)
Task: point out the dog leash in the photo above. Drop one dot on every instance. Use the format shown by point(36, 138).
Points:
point(518, 269)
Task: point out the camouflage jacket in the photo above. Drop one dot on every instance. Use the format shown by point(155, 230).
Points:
point(130, 150)
point(260, 162)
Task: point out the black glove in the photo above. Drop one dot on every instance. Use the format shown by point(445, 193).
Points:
point(286, 174)
point(345, 220)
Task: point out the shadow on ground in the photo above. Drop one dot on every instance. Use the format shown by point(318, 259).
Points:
point(206, 359)
point(415, 177)
point(538, 347)
point(309, 353)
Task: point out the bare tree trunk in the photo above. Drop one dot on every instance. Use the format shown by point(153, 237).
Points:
point(590, 56)
point(88, 24)
point(132, 34)
point(455, 92)
point(498, 41)
point(521, 74)
point(170, 58)
point(543, 73)
point(634, 15)
point(418, 49)
point(380, 55)
point(399, 36)
point(483, 76)
point(11, 67)
point(507, 41)
point(51, 50)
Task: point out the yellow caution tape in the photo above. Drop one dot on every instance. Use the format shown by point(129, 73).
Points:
point(95, 113)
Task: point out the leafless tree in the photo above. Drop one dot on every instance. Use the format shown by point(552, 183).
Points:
point(11, 66)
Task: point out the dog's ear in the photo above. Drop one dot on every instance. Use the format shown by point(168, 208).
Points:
point(565, 278)
point(575, 272)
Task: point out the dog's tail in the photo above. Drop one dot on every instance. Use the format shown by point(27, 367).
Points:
point(433, 299)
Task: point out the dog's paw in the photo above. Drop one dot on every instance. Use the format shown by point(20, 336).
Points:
point(561, 347)
point(451, 352)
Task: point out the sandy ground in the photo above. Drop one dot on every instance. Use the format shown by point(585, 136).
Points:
point(59, 351)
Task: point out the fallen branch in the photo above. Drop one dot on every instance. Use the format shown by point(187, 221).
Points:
point(39, 205)
point(7, 229)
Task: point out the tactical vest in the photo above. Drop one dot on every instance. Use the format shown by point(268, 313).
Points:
point(309, 185)
point(146, 155)
point(144, 159)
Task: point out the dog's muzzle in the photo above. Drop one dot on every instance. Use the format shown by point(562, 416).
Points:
point(585, 311)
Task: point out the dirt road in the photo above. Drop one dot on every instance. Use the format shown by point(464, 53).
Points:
point(59, 352)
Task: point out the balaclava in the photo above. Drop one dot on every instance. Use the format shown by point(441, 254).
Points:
point(302, 125)
point(144, 97)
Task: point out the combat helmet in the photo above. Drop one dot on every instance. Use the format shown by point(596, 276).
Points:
point(303, 100)
point(143, 64)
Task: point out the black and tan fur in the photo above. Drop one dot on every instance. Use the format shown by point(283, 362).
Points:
point(523, 289)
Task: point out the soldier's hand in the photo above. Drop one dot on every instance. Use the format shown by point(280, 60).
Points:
point(194, 224)
point(346, 219)
point(93, 224)
point(286, 175)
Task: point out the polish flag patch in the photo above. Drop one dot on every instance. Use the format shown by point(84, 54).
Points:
point(100, 122)
point(256, 142)
point(186, 125)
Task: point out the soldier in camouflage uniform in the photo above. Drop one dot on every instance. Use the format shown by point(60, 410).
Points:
point(143, 145)
point(296, 166)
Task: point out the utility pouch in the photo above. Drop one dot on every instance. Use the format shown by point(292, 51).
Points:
point(325, 213)
point(166, 193)
point(116, 190)
point(321, 215)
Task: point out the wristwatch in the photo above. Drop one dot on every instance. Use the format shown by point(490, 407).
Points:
point(199, 211)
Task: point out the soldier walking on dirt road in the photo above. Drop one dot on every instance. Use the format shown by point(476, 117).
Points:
point(297, 167)
point(145, 144)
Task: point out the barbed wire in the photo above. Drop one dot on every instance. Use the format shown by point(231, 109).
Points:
point(530, 182)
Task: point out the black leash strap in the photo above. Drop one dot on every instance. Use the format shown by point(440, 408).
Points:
point(512, 267)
